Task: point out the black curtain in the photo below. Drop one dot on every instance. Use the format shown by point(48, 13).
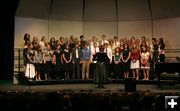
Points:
point(7, 9)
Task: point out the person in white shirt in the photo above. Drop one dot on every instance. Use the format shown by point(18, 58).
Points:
point(145, 65)
point(94, 40)
point(112, 47)
point(108, 51)
point(93, 58)
point(43, 41)
point(116, 42)
point(30, 68)
point(104, 39)
point(94, 50)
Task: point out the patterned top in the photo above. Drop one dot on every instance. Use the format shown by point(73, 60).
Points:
point(48, 54)
point(101, 57)
point(145, 56)
point(135, 54)
point(39, 57)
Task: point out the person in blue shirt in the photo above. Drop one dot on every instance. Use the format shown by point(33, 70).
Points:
point(86, 55)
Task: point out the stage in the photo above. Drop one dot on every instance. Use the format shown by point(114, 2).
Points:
point(68, 85)
point(85, 97)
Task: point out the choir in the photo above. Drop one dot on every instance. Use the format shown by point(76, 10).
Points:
point(71, 58)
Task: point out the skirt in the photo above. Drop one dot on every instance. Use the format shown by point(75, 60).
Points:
point(135, 65)
point(47, 68)
point(30, 71)
point(117, 68)
point(145, 66)
point(100, 73)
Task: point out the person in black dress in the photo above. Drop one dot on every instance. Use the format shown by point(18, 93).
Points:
point(126, 54)
point(154, 54)
point(67, 61)
point(161, 50)
point(154, 51)
point(101, 73)
point(57, 62)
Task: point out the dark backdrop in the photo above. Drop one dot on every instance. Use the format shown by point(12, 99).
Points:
point(7, 10)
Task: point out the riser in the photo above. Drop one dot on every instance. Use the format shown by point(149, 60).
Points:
point(48, 82)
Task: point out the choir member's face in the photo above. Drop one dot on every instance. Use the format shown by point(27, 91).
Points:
point(52, 39)
point(121, 43)
point(62, 40)
point(144, 49)
point(31, 46)
point(85, 45)
point(77, 45)
point(134, 45)
point(103, 37)
point(117, 50)
point(48, 47)
point(100, 43)
point(95, 44)
point(58, 47)
point(89, 42)
point(94, 38)
point(67, 46)
point(106, 45)
point(111, 43)
point(125, 46)
point(143, 38)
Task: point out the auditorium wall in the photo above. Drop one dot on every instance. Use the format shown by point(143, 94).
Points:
point(35, 27)
point(166, 28)
point(99, 28)
point(64, 29)
point(135, 28)
point(169, 30)
point(55, 28)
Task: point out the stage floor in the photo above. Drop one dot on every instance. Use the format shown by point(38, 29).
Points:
point(119, 87)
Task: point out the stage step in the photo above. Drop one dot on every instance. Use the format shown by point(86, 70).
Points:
point(167, 83)
point(170, 75)
point(168, 79)
point(76, 81)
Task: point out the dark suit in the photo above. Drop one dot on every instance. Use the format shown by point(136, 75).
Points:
point(76, 65)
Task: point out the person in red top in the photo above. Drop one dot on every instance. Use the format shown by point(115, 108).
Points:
point(121, 46)
point(135, 65)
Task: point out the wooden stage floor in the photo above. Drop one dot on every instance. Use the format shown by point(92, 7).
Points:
point(111, 87)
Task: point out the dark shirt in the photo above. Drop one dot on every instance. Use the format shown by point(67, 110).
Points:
point(101, 57)
point(71, 45)
point(162, 46)
point(155, 48)
point(67, 55)
point(125, 54)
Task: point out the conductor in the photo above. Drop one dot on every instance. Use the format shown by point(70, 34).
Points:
point(101, 73)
